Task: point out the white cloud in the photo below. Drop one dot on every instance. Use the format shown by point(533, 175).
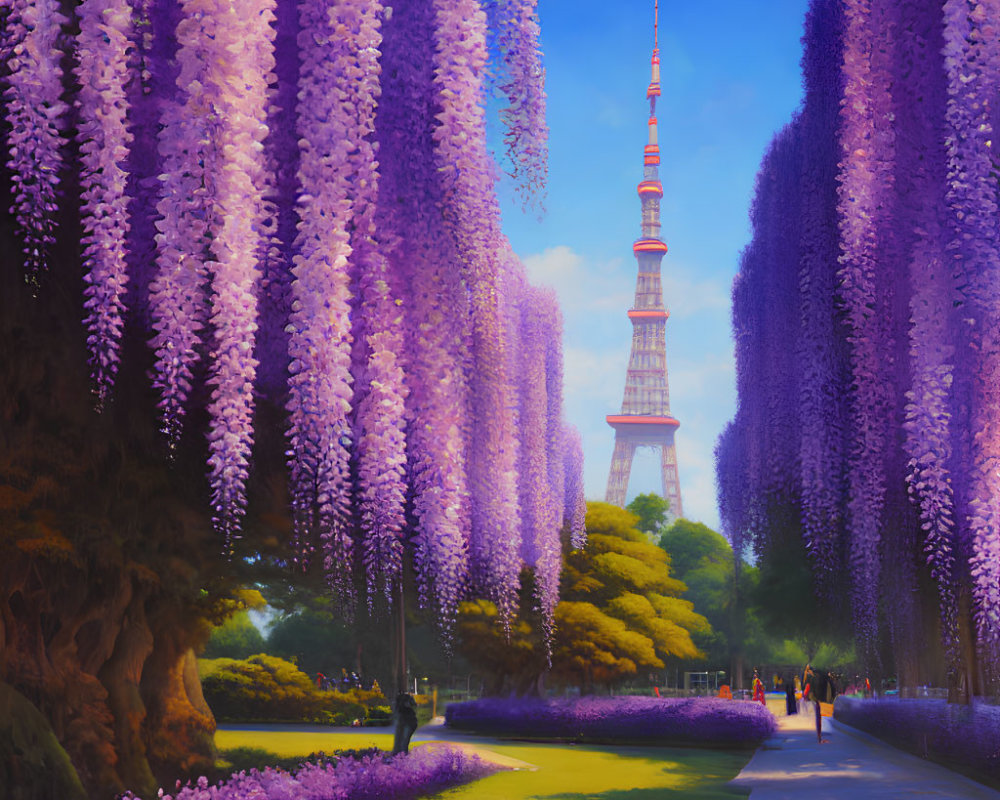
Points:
point(686, 296)
point(581, 285)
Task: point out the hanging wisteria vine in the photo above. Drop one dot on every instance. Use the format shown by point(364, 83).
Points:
point(380, 389)
point(102, 71)
point(822, 368)
point(521, 79)
point(471, 215)
point(865, 180)
point(973, 69)
point(295, 201)
point(887, 212)
point(32, 48)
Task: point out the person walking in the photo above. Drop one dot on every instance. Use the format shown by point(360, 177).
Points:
point(818, 687)
point(758, 689)
point(791, 706)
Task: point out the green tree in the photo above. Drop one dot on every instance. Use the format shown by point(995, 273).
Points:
point(620, 613)
point(315, 640)
point(651, 510)
point(704, 560)
point(693, 545)
point(237, 637)
point(514, 662)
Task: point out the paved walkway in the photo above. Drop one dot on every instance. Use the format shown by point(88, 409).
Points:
point(852, 765)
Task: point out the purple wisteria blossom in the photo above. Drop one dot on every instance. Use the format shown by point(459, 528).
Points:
point(972, 63)
point(178, 293)
point(471, 214)
point(822, 452)
point(31, 46)
point(435, 306)
point(574, 503)
point(102, 70)
point(238, 183)
point(876, 223)
point(521, 80)
point(294, 204)
point(865, 180)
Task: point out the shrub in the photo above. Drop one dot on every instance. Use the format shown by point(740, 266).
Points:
point(955, 735)
point(237, 637)
point(379, 715)
point(694, 720)
point(244, 759)
point(427, 770)
point(268, 688)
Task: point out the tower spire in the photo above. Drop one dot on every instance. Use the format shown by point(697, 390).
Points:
point(645, 419)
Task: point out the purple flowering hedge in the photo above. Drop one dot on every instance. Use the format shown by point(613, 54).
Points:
point(425, 771)
point(699, 721)
point(959, 736)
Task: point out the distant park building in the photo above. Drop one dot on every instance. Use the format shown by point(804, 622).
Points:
point(645, 419)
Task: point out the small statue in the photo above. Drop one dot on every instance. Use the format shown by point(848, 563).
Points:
point(405, 714)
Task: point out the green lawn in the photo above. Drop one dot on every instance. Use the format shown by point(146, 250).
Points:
point(297, 743)
point(557, 772)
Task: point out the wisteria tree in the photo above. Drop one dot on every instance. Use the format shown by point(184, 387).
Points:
point(284, 214)
point(875, 251)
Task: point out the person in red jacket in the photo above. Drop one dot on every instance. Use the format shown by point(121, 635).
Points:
point(758, 689)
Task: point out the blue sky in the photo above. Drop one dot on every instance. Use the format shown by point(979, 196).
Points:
point(730, 79)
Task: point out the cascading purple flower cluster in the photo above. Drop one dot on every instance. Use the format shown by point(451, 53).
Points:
point(426, 771)
point(435, 310)
point(295, 201)
point(471, 217)
point(102, 72)
point(875, 248)
point(865, 182)
point(177, 294)
point(922, 187)
point(574, 501)
point(822, 411)
point(31, 45)
point(540, 470)
point(239, 182)
point(380, 389)
point(522, 82)
point(972, 63)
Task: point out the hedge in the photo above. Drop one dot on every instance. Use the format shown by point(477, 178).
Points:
point(700, 721)
point(958, 736)
point(265, 688)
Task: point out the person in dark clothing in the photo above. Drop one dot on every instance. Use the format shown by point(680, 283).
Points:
point(405, 715)
point(818, 687)
point(790, 705)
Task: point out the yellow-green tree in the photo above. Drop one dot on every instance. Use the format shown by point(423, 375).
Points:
point(620, 612)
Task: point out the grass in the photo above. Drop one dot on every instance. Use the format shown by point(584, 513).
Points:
point(568, 772)
point(300, 743)
point(557, 772)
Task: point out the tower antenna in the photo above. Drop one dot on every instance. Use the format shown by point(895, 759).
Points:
point(645, 419)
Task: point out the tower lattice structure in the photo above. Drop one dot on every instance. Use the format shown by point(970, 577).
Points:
point(645, 419)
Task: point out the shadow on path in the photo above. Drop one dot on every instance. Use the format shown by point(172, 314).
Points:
point(852, 765)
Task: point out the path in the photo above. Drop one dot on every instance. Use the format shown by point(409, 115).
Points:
point(853, 765)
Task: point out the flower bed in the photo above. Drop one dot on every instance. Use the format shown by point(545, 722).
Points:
point(958, 736)
point(699, 721)
point(425, 771)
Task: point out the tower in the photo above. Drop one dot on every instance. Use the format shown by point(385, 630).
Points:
point(645, 419)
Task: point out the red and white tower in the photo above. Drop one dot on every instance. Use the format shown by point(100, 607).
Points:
point(645, 419)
